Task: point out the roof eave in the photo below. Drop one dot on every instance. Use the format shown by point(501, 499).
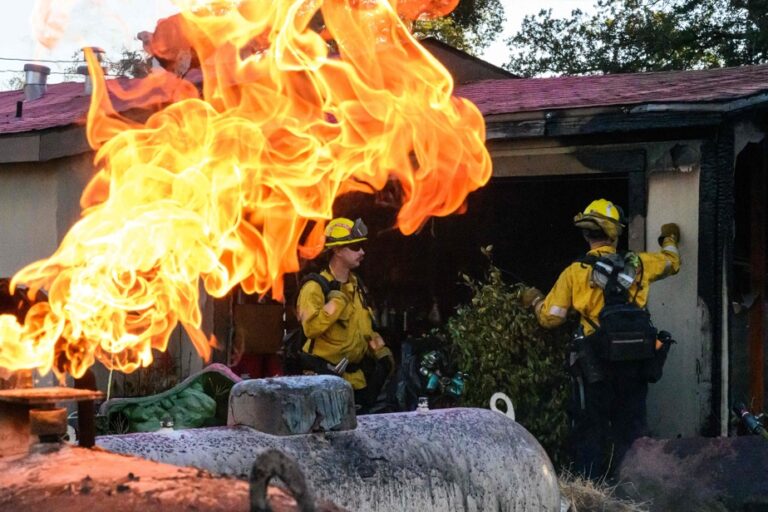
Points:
point(615, 118)
point(713, 106)
point(43, 145)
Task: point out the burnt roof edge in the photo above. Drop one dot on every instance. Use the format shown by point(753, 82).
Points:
point(623, 118)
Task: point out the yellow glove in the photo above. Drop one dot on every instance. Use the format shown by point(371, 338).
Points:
point(530, 297)
point(670, 230)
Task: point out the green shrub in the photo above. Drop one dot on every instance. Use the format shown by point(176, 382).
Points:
point(502, 348)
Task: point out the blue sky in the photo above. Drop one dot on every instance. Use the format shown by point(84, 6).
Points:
point(113, 24)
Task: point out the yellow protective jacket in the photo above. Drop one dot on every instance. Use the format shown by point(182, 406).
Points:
point(574, 289)
point(345, 333)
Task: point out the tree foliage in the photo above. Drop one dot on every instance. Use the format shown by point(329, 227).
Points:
point(471, 27)
point(15, 83)
point(642, 35)
point(501, 346)
point(131, 64)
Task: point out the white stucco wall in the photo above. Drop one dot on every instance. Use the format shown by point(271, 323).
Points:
point(28, 204)
point(678, 404)
point(39, 203)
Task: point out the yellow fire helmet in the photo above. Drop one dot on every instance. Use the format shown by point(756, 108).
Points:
point(343, 231)
point(601, 215)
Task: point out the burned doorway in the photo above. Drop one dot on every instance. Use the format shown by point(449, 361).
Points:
point(747, 326)
point(414, 280)
point(528, 220)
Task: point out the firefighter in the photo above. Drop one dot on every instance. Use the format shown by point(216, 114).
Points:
point(608, 397)
point(338, 321)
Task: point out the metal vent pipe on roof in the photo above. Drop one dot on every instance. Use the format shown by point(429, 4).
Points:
point(35, 81)
point(83, 70)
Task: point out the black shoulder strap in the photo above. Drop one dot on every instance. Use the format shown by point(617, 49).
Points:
point(365, 298)
point(590, 322)
point(363, 290)
point(325, 285)
point(587, 259)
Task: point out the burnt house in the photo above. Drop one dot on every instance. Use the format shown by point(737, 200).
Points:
point(680, 146)
point(687, 147)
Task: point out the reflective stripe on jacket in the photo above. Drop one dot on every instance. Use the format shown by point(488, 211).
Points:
point(345, 333)
point(574, 290)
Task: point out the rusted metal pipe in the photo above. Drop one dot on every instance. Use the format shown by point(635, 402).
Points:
point(86, 411)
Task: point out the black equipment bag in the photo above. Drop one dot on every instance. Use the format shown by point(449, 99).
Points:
point(626, 332)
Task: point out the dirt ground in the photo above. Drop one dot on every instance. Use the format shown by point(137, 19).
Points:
point(74, 480)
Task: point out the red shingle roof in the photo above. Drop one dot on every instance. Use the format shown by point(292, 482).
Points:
point(62, 104)
point(533, 94)
point(66, 103)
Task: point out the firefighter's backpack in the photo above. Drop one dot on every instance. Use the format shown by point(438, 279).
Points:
point(294, 340)
point(625, 331)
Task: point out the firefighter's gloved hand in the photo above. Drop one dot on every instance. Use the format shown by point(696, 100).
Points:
point(384, 355)
point(670, 230)
point(336, 301)
point(531, 296)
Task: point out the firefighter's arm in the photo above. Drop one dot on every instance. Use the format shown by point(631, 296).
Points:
point(667, 262)
point(552, 310)
point(379, 350)
point(317, 314)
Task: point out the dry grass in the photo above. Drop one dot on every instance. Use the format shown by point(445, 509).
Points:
point(588, 496)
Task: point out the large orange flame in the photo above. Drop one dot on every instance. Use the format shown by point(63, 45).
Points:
point(302, 101)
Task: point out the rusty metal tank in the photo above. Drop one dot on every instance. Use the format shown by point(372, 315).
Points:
point(452, 459)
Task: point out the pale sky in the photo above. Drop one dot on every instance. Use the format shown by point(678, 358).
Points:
point(113, 24)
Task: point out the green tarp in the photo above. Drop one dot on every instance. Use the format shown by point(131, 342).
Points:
point(198, 401)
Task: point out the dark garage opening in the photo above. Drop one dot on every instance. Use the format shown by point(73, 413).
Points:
point(527, 220)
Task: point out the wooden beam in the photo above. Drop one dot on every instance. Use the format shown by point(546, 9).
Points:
point(557, 124)
point(757, 212)
point(222, 327)
point(637, 210)
point(565, 161)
